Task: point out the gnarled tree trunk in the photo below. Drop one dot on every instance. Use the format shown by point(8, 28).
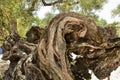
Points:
point(46, 54)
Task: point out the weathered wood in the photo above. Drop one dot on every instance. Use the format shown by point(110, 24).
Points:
point(4, 65)
point(46, 53)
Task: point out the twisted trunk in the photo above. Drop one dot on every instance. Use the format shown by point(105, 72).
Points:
point(46, 55)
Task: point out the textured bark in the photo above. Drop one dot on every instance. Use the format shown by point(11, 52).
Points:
point(46, 53)
point(4, 65)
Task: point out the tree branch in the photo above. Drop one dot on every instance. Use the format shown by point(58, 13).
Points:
point(52, 3)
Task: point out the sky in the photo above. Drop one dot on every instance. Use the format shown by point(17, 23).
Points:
point(105, 13)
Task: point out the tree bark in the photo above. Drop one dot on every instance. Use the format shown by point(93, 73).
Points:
point(46, 53)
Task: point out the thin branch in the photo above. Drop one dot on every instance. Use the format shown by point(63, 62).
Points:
point(33, 5)
point(52, 3)
point(87, 45)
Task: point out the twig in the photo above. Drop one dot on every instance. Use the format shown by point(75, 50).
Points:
point(52, 3)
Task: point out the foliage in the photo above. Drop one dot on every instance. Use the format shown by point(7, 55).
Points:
point(48, 16)
point(87, 6)
point(84, 7)
point(100, 22)
point(20, 11)
point(116, 11)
